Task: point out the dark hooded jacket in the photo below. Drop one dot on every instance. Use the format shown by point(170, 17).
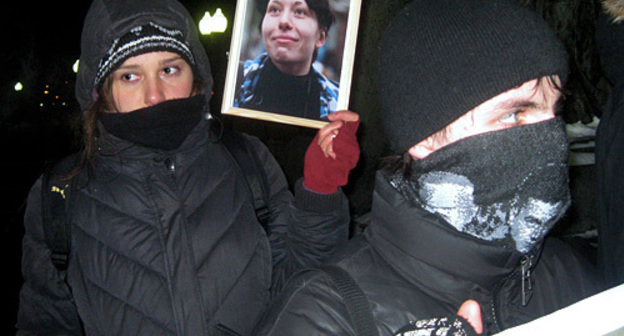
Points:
point(412, 266)
point(610, 146)
point(167, 242)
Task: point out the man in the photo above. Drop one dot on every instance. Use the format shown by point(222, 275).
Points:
point(469, 93)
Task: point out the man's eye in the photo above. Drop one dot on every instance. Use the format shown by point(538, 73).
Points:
point(510, 118)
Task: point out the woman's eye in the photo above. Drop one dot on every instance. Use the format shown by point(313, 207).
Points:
point(301, 12)
point(171, 70)
point(128, 77)
point(273, 10)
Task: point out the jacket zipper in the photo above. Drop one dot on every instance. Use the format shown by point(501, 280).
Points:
point(170, 169)
point(527, 288)
point(170, 165)
point(526, 264)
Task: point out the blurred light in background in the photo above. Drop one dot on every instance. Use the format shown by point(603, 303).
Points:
point(213, 24)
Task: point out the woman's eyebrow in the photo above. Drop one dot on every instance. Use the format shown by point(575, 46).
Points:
point(170, 60)
point(130, 66)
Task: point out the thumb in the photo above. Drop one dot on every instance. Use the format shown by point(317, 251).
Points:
point(471, 312)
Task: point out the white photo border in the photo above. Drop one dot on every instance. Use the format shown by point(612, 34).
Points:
point(346, 71)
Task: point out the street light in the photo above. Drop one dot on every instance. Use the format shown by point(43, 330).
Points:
point(213, 24)
point(18, 86)
point(76, 65)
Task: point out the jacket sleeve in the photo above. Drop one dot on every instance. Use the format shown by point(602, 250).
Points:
point(303, 230)
point(46, 306)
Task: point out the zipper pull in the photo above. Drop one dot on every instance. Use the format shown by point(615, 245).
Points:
point(170, 165)
point(527, 288)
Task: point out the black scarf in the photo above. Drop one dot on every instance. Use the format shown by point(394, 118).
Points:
point(162, 126)
point(508, 186)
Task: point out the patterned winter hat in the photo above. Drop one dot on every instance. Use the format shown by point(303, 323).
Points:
point(140, 40)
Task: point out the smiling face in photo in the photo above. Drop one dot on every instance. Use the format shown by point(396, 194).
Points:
point(291, 34)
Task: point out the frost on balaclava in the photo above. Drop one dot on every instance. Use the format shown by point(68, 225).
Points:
point(508, 186)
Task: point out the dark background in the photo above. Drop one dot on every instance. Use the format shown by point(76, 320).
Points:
point(41, 42)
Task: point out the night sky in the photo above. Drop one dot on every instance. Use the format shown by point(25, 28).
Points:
point(53, 27)
point(42, 39)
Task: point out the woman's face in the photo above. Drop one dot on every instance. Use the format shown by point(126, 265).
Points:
point(149, 79)
point(291, 34)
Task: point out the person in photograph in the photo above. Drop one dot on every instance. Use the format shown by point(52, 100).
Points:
point(283, 78)
point(462, 211)
point(163, 230)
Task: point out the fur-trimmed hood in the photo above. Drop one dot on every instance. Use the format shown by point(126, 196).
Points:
point(615, 9)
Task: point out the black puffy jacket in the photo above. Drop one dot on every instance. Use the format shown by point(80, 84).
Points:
point(411, 266)
point(167, 242)
point(610, 146)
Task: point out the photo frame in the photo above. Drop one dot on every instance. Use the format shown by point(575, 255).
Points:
point(256, 88)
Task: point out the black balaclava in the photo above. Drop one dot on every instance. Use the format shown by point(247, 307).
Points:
point(508, 187)
point(440, 59)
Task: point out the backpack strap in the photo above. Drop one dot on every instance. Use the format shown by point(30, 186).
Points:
point(249, 163)
point(54, 198)
point(354, 299)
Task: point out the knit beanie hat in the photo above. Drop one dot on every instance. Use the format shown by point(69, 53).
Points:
point(442, 58)
point(140, 40)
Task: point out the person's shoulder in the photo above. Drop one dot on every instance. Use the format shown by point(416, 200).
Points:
point(296, 310)
point(253, 65)
point(326, 83)
point(255, 144)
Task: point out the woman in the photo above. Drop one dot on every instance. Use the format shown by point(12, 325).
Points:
point(282, 79)
point(164, 237)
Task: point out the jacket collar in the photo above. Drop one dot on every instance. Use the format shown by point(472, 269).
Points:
point(417, 242)
point(113, 147)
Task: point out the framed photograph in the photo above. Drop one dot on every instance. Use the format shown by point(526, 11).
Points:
point(291, 61)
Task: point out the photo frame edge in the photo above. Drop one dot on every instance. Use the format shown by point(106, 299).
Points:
point(346, 73)
point(348, 54)
point(276, 117)
point(232, 67)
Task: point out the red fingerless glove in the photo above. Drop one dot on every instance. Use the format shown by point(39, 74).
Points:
point(325, 174)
